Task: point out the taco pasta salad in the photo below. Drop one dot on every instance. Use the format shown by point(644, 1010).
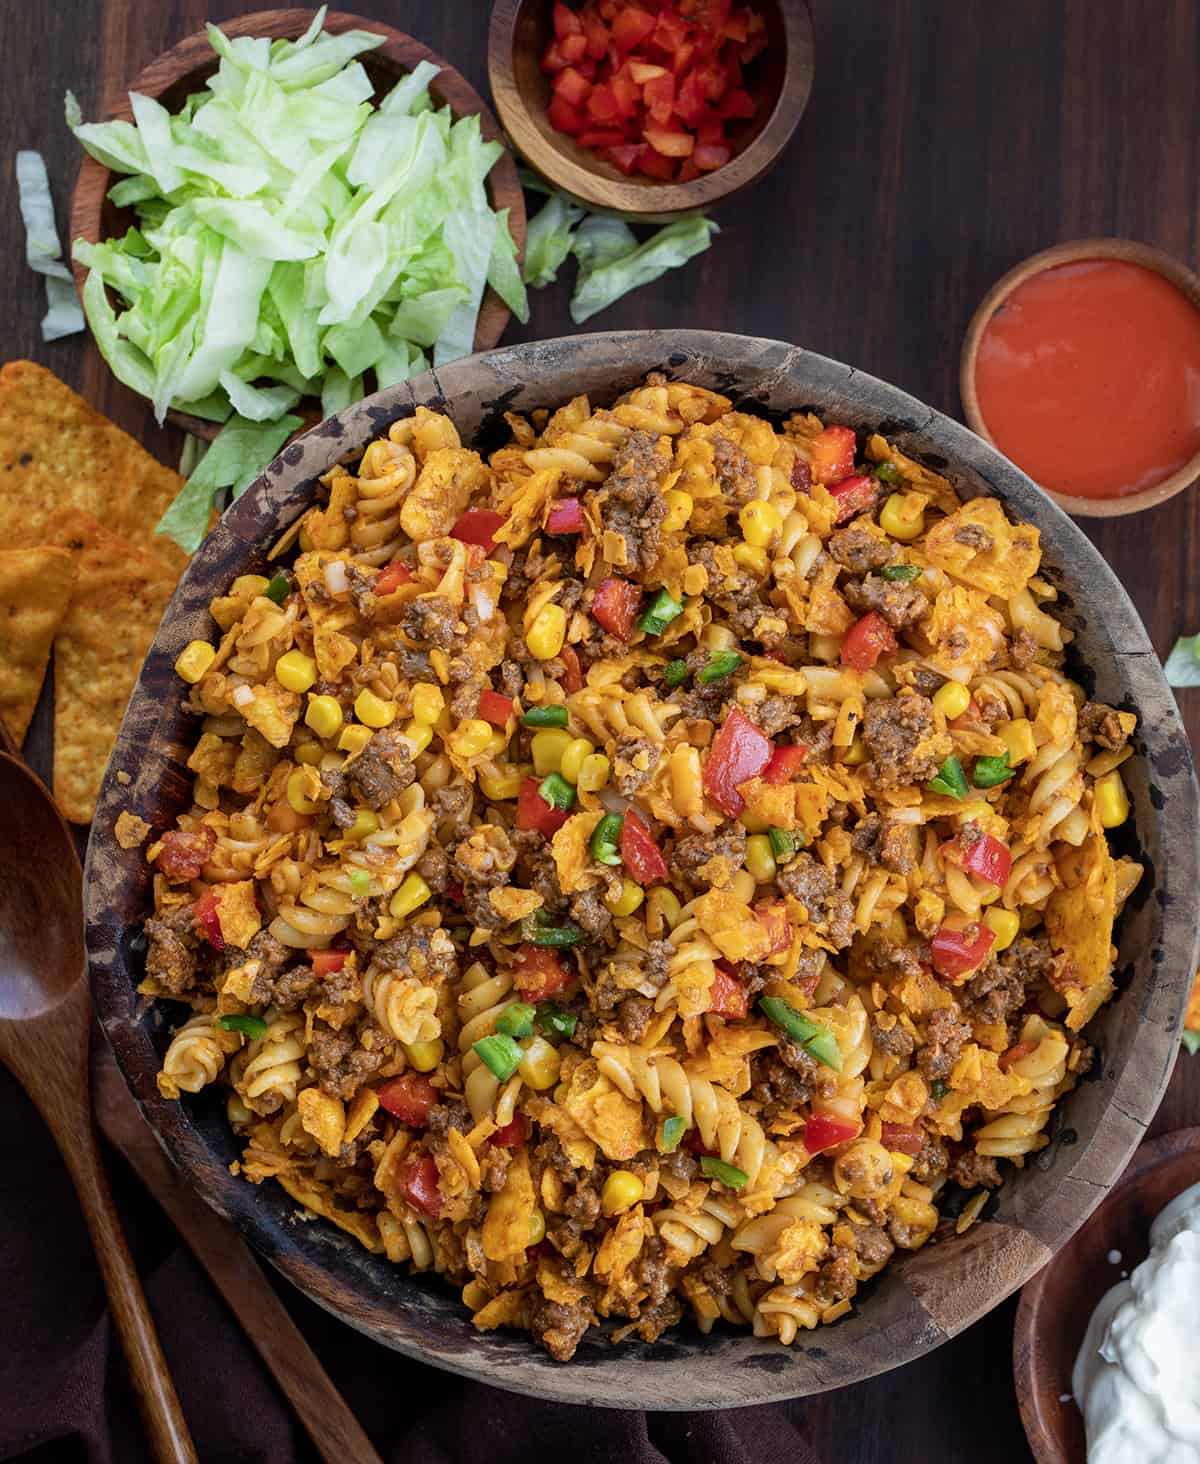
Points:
point(660, 870)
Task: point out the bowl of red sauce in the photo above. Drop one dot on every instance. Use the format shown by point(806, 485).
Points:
point(650, 108)
point(1082, 365)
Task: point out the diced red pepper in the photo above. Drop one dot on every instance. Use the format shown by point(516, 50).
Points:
point(495, 708)
point(540, 973)
point(566, 118)
point(565, 517)
point(854, 495)
point(867, 640)
point(513, 1134)
point(533, 812)
point(786, 761)
point(832, 454)
point(727, 996)
point(408, 1098)
point(956, 953)
point(901, 1138)
point(672, 144)
point(659, 96)
point(709, 156)
point(985, 856)
point(572, 677)
point(572, 86)
point(205, 911)
point(615, 606)
point(325, 963)
point(740, 751)
point(477, 526)
point(391, 577)
point(639, 853)
point(827, 1131)
point(567, 22)
point(773, 918)
point(417, 1181)
point(630, 27)
point(1015, 1054)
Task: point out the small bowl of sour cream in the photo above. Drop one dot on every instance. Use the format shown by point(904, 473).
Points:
point(1105, 1349)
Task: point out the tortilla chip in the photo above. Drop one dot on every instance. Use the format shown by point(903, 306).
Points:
point(57, 452)
point(118, 601)
point(130, 829)
point(35, 589)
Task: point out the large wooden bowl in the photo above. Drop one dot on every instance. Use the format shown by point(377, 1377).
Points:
point(928, 1296)
point(172, 77)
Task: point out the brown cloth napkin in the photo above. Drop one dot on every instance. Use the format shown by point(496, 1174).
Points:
point(65, 1396)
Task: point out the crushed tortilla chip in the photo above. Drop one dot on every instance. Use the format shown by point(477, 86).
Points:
point(513, 905)
point(130, 830)
point(731, 923)
point(1079, 917)
point(237, 912)
point(505, 1310)
point(569, 847)
point(510, 1213)
point(35, 590)
point(604, 1114)
point(1004, 567)
point(324, 1118)
point(803, 806)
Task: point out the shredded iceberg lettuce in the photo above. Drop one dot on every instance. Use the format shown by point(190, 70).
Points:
point(43, 253)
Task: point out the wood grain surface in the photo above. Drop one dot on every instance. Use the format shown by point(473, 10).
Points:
point(942, 144)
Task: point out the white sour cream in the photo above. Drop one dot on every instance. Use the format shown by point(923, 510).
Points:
point(1136, 1376)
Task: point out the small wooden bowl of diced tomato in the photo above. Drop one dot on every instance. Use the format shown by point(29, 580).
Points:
point(650, 107)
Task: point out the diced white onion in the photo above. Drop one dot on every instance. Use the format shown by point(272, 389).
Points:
point(335, 577)
point(241, 696)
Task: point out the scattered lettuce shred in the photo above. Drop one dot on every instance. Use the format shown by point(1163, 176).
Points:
point(1182, 666)
point(43, 252)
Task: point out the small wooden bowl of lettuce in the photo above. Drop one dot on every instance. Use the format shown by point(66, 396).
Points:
point(283, 216)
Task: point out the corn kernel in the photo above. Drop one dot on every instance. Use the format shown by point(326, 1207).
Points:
point(365, 822)
point(249, 585)
point(424, 1056)
point(499, 783)
point(540, 1065)
point(1004, 925)
point(761, 522)
point(418, 735)
point(428, 703)
point(952, 700)
point(547, 633)
point(236, 1111)
point(1018, 738)
point(622, 1189)
point(741, 886)
point(574, 755)
point(373, 710)
point(296, 796)
point(855, 754)
point(753, 824)
point(628, 900)
point(497, 744)
point(295, 671)
point(751, 557)
point(679, 510)
point(594, 772)
point(1112, 801)
point(548, 747)
point(324, 715)
point(663, 903)
point(537, 1227)
point(309, 753)
point(759, 859)
point(470, 738)
point(411, 895)
point(354, 739)
point(194, 660)
point(903, 516)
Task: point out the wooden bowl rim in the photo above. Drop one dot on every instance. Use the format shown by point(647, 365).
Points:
point(669, 199)
point(193, 54)
point(930, 1295)
point(1032, 1394)
point(1075, 251)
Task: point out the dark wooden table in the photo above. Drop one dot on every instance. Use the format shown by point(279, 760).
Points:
point(943, 142)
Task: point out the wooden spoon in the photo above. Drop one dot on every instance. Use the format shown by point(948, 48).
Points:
point(44, 1029)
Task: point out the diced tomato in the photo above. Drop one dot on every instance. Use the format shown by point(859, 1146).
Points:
point(408, 1098)
point(630, 27)
point(901, 1138)
point(854, 495)
point(567, 22)
point(827, 1131)
point(727, 996)
point(615, 606)
point(690, 105)
point(572, 86)
point(639, 853)
point(572, 677)
point(417, 1181)
point(711, 81)
point(712, 129)
point(972, 717)
point(740, 751)
point(566, 118)
point(756, 37)
point(553, 59)
point(736, 103)
point(687, 170)
point(659, 96)
point(184, 853)
point(391, 577)
point(956, 953)
point(670, 29)
point(643, 71)
point(655, 164)
point(785, 762)
point(625, 157)
point(627, 93)
point(205, 911)
point(602, 104)
point(573, 48)
point(1015, 1054)
point(512, 1135)
point(772, 916)
point(985, 856)
point(596, 32)
point(737, 27)
point(454, 892)
point(832, 454)
point(586, 68)
point(867, 640)
point(600, 137)
point(533, 812)
point(709, 156)
point(565, 517)
point(495, 708)
point(324, 963)
point(672, 144)
point(477, 526)
point(540, 973)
